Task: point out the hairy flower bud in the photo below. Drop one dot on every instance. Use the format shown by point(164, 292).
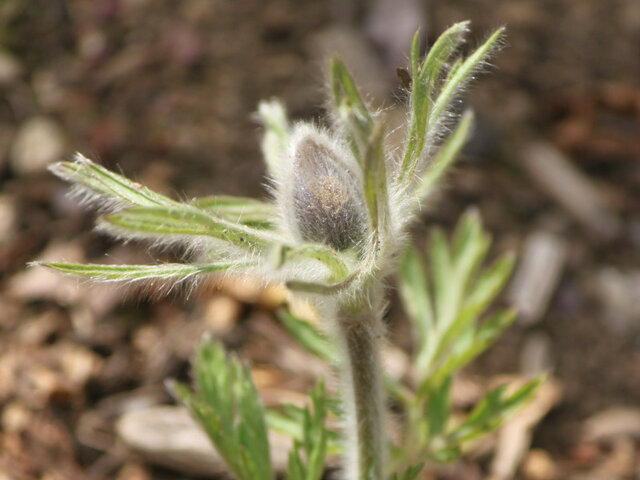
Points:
point(323, 201)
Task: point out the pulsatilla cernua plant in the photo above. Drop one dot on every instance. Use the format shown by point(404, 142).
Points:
point(334, 229)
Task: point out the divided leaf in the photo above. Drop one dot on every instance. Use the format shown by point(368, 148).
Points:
point(351, 112)
point(109, 273)
point(227, 406)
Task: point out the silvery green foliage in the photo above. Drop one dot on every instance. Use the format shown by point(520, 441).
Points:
point(341, 204)
point(447, 305)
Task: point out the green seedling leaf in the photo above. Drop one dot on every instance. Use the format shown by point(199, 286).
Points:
point(487, 286)
point(276, 134)
point(492, 410)
point(424, 78)
point(313, 440)
point(112, 189)
point(246, 211)
point(331, 259)
point(478, 342)
point(350, 109)
point(109, 273)
point(446, 155)
point(375, 179)
point(414, 291)
point(307, 336)
point(460, 74)
point(183, 222)
point(411, 473)
point(227, 406)
point(439, 408)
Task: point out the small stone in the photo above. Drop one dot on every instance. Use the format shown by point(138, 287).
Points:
point(38, 143)
point(15, 417)
point(221, 313)
point(169, 437)
point(613, 423)
point(133, 471)
point(10, 68)
point(8, 218)
point(78, 363)
point(538, 465)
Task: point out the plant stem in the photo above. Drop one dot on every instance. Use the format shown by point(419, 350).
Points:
point(362, 383)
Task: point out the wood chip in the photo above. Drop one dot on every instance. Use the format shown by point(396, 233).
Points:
point(515, 436)
point(571, 188)
point(537, 275)
point(613, 423)
point(169, 437)
point(538, 465)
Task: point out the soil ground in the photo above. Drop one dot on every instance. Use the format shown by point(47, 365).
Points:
point(165, 92)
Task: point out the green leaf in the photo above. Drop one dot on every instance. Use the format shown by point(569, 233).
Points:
point(142, 272)
point(487, 286)
point(307, 336)
point(478, 342)
point(414, 291)
point(459, 75)
point(411, 473)
point(351, 112)
point(110, 187)
point(439, 408)
point(276, 135)
point(227, 406)
point(446, 155)
point(493, 409)
point(246, 211)
point(313, 440)
point(423, 82)
point(331, 259)
point(443, 48)
point(375, 180)
point(167, 223)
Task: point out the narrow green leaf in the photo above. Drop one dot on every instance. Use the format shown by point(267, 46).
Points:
point(446, 155)
point(110, 186)
point(487, 286)
point(246, 211)
point(411, 473)
point(227, 406)
point(276, 134)
point(493, 409)
point(444, 47)
point(142, 272)
point(439, 408)
point(307, 336)
point(460, 75)
point(415, 55)
point(441, 270)
point(295, 467)
point(423, 82)
point(414, 291)
point(350, 110)
point(148, 222)
point(331, 259)
point(375, 179)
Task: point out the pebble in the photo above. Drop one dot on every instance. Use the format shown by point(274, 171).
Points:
point(10, 68)
point(613, 423)
point(8, 218)
point(169, 437)
point(38, 142)
point(538, 465)
point(221, 313)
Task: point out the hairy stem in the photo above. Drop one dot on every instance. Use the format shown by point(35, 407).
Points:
point(362, 383)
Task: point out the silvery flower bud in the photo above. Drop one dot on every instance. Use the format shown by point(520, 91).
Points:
point(324, 200)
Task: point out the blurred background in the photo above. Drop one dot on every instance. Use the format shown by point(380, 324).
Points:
point(165, 91)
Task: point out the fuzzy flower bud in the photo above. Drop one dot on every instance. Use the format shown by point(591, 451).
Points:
point(323, 200)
